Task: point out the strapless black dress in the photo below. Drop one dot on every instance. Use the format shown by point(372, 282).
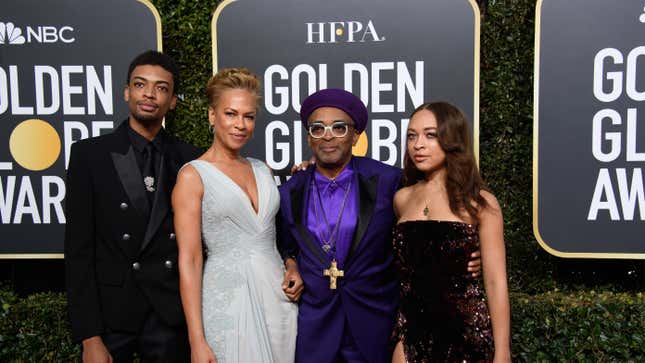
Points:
point(443, 314)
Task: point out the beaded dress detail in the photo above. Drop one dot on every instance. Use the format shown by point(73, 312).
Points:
point(443, 314)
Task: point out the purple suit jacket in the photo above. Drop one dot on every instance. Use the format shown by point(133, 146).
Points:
point(367, 296)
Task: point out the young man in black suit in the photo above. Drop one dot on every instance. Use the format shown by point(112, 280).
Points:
point(120, 249)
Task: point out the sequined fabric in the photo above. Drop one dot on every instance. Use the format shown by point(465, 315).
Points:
point(443, 314)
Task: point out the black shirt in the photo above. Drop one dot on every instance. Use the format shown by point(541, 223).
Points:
point(139, 144)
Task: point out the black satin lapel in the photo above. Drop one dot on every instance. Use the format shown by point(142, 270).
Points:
point(298, 210)
point(297, 197)
point(131, 179)
point(161, 203)
point(367, 201)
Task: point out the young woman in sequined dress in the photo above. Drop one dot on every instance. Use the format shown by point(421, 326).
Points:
point(444, 213)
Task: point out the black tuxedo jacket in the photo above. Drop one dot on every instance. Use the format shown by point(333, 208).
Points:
point(120, 255)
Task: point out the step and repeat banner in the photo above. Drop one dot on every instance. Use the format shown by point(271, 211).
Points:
point(63, 68)
point(589, 132)
point(394, 55)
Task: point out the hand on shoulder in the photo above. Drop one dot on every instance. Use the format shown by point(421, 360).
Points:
point(303, 165)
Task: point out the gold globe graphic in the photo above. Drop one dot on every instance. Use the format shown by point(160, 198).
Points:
point(34, 144)
point(360, 149)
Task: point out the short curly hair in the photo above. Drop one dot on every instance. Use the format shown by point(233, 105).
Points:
point(232, 78)
point(154, 58)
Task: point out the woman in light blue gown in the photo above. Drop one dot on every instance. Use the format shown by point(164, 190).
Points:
point(238, 301)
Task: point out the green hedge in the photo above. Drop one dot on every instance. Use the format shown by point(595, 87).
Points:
point(578, 327)
point(35, 329)
point(186, 26)
point(549, 327)
point(506, 134)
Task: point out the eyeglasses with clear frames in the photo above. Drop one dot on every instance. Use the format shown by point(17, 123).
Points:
point(317, 130)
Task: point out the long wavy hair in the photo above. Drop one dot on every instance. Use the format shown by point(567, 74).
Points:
point(463, 181)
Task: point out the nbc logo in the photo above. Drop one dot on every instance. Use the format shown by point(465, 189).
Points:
point(9, 34)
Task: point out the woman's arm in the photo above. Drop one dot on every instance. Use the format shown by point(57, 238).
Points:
point(187, 204)
point(491, 236)
point(400, 201)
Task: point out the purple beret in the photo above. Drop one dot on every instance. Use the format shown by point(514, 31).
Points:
point(338, 98)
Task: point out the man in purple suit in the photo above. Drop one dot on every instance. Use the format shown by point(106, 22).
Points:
point(335, 234)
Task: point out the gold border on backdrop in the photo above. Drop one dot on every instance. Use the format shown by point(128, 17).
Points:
point(32, 256)
point(477, 18)
point(477, 23)
point(536, 93)
point(155, 13)
point(216, 14)
point(22, 256)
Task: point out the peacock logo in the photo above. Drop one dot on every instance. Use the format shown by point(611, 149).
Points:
point(10, 34)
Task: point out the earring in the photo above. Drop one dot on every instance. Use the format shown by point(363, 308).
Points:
point(211, 128)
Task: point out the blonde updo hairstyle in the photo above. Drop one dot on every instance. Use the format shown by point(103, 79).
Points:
point(232, 78)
